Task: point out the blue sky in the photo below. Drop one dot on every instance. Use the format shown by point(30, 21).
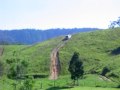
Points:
point(45, 14)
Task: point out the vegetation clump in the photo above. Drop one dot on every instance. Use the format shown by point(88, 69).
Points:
point(76, 67)
point(105, 71)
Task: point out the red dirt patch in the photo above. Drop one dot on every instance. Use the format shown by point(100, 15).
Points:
point(55, 62)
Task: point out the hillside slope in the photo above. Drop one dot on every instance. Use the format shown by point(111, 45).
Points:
point(97, 49)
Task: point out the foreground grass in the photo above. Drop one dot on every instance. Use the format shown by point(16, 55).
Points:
point(89, 82)
point(90, 88)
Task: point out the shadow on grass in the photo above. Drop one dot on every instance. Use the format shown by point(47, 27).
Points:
point(116, 51)
point(118, 86)
point(35, 76)
point(58, 88)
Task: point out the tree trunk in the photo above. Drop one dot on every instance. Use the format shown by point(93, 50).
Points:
point(77, 82)
point(73, 82)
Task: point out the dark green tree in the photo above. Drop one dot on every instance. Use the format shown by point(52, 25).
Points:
point(1, 68)
point(114, 24)
point(76, 67)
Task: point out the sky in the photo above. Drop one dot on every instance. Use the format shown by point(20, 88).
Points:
point(45, 14)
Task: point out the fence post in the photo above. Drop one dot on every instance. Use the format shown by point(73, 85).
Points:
point(41, 85)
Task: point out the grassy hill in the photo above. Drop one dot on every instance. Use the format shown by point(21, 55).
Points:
point(97, 50)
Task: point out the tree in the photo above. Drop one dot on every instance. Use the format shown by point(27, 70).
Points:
point(114, 24)
point(17, 67)
point(76, 67)
point(1, 68)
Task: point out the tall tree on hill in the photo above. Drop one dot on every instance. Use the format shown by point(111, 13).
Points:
point(76, 67)
point(114, 24)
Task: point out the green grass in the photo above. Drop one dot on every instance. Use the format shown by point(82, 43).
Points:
point(94, 48)
point(90, 88)
point(95, 51)
point(64, 82)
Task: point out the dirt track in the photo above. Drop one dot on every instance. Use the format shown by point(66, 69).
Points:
point(55, 62)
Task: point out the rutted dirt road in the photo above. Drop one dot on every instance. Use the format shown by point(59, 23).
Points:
point(55, 66)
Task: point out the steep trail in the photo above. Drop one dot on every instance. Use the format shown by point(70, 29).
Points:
point(55, 66)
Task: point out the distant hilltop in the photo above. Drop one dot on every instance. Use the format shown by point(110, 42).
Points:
point(32, 36)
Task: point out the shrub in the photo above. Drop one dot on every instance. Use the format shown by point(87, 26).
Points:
point(105, 71)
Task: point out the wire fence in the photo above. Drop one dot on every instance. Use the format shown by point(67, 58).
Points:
point(46, 84)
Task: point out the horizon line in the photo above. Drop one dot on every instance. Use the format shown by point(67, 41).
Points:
point(50, 28)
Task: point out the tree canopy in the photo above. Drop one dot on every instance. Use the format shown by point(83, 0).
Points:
point(114, 24)
point(76, 67)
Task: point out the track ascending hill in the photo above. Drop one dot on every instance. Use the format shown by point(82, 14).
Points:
point(97, 50)
point(55, 62)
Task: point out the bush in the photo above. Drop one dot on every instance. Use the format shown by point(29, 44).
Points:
point(1, 68)
point(28, 84)
point(16, 68)
point(105, 71)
